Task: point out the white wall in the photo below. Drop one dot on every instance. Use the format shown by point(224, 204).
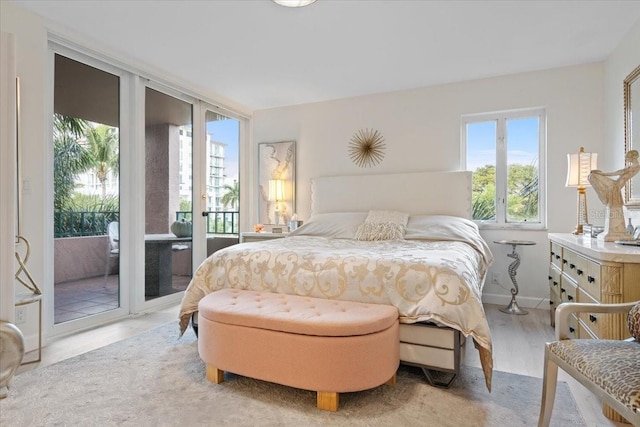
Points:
point(622, 61)
point(31, 48)
point(421, 128)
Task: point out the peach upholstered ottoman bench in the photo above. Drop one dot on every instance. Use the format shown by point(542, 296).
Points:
point(326, 346)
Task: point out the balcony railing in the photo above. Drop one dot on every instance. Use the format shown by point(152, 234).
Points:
point(218, 222)
point(83, 223)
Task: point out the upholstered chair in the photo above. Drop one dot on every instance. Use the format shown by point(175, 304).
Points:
point(608, 368)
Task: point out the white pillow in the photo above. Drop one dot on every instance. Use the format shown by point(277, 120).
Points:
point(337, 225)
point(437, 227)
point(383, 225)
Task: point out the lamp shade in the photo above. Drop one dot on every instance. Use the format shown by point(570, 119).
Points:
point(276, 190)
point(294, 3)
point(579, 166)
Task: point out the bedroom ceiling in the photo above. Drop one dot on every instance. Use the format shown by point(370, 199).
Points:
point(261, 55)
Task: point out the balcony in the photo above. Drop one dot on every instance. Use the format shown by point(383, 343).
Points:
point(86, 276)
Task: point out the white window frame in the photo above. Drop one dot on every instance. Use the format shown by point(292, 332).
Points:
point(501, 117)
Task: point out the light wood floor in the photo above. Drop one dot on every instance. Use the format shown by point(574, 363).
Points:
point(518, 345)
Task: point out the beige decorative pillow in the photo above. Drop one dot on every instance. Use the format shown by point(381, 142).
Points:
point(383, 225)
point(379, 217)
point(633, 321)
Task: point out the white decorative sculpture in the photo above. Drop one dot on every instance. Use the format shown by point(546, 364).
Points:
point(609, 191)
point(11, 352)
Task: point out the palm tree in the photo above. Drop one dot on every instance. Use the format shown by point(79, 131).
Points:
point(70, 157)
point(102, 144)
point(232, 196)
point(69, 126)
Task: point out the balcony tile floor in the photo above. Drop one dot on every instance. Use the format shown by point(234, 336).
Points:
point(93, 295)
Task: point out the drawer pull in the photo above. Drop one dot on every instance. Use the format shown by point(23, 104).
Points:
point(580, 272)
point(552, 253)
point(572, 266)
point(564, 261)
point(570, 297)
point(555, 283)
point(549, 277)
point(550, 302)
point(591, 279)
point(563, 290)
point(592, 318)
point(557, 256)
point(571, 329)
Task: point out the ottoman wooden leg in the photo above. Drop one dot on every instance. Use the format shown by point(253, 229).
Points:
point(214, 374)
point(328, 400)
point(392, 381)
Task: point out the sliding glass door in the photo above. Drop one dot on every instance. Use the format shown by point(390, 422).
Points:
point(168, 194)
point(132, 160)
point(222, 210)
point(86, 201)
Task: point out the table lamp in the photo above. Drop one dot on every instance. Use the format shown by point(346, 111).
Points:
point(578, 168)
point(276, 195)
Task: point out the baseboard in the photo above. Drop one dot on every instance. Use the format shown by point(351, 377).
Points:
point(30, 342)
point(524, 302)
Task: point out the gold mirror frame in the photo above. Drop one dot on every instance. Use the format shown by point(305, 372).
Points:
point(632, 81)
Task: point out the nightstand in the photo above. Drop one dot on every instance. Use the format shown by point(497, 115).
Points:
point(250, 236)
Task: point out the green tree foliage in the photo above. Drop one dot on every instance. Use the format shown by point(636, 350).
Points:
point(185, 205)
point(522, 193)
point(92, 203)
point(70, 157)
point(102, 145)
point(232, 196)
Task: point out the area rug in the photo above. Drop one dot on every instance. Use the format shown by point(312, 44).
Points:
point(157, 379)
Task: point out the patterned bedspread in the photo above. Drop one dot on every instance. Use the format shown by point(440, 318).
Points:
point(438, 281)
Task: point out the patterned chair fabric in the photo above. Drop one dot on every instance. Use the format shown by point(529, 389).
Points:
point(633, 321)
point(611, 364)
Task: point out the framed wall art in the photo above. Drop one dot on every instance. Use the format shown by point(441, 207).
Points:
point(276, 183)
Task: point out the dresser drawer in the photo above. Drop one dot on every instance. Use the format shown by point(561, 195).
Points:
point(590, 321)
point(568, 290)
point(554, 280)
point(554, 294)
point(573, 331)
point(567, 259)
point(556, 255)
point(591, 282)
point(576, 266)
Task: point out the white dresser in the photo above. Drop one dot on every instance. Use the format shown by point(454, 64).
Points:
point(582, 269)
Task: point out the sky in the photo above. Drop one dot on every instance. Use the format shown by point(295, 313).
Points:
point(522, 142)
point(228, 132)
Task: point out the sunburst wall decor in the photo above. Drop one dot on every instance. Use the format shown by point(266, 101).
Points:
point(366, 148)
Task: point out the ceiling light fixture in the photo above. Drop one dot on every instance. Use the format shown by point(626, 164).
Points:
point(294, 3)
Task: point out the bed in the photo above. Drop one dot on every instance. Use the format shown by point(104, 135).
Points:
point(433, 272)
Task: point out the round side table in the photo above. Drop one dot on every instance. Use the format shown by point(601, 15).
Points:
point(513, 307)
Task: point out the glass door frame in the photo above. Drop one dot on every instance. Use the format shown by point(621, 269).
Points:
point(51, 329)
point(200, 252)
point(138, 187)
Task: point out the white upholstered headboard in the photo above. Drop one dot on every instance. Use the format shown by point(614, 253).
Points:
point(417, 193)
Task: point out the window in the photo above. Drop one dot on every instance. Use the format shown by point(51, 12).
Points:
point(505, 152)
